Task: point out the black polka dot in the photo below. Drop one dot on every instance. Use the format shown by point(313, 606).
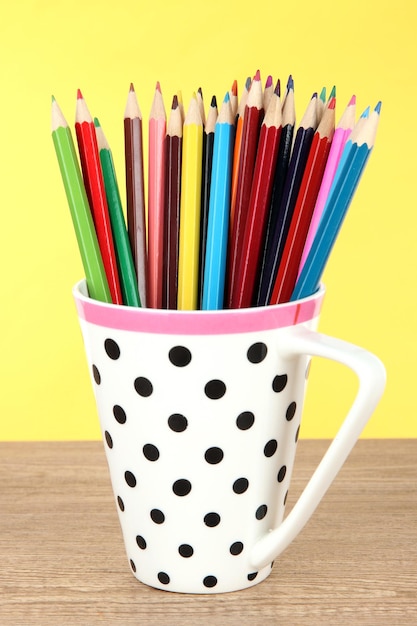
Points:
point(181, 487)
point(143, 386)
point(257, 352)
point(252, 575)
point(245, 420)
point(163, 578)
point(261, 511)
point(210, 581)
point(141, 542)
point(215, 389)
point(151, 452)
point(96, 375)
point(130, 479)
point(177, 422)
point(119, 414)
point(108, 438)
point(236, 548)
point(186, 550)
point(132, 565)
point(297, 434)
point(271, 447)
point(214, 455)
point(240, 485)
point(291, 411)
point(157, 516)
point(112, 349)
point(281, 473)
point(279, 383)
point(120, 503)
point(212, 519)
point(180, 356)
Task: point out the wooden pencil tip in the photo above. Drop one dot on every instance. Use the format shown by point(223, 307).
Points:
point(131, 87)
point(226, 97)
point(79, 95)
point(366, 112)
point(257, 75)
point(323, 94)
point(268, 82)
point(378, 107)
point(53, 99)
point(96, 122)
point(352, 100)
point(332, 103)
point(290, 83)
point(174, 102)
point(213, 102)
point(333, 92)
point(234, 88)
point(200, 91)
point(158, 87)
point(314, 95)
point(248, 83)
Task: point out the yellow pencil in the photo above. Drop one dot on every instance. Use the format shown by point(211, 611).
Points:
point(190, 208)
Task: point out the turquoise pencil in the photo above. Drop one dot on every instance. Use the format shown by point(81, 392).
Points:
point(219, 209)
point(352, 164)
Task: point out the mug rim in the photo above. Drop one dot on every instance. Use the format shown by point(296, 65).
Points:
point(168, 321)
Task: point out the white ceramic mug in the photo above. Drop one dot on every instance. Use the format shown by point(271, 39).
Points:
point(200, 413)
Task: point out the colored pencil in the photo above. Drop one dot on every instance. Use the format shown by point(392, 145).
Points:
point(238, 143)
point(94, 185)
point(208, 143)
point(341, 134)
point(156, 190)
point(250, 135)
point(82, 220)
point(200, 100)
point(219, 213)
point(234, 101)
point(356, 154)
point(190, 208)
point(135, 189)
point(321, 103)
point(266, 158)
point(125, 264)
point(298, 160)
point(303, 211)
point(173, 157)
point(268, 91)
point(284, 153)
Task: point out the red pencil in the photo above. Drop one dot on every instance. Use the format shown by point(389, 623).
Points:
point(96, 194)
point(250, 136)
point(263, 178)
point(304, 207)
point(156, 190)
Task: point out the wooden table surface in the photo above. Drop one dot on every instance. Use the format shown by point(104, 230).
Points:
point(62, 559)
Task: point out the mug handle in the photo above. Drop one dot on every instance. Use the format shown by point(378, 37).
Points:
point(371, 375)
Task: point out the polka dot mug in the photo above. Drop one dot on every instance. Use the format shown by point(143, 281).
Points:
point(200, 413)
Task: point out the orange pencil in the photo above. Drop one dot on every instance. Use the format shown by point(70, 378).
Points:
point(96, 194)
point(156, 190)
point(236, 151)
point(250, 135)
point(304, 207)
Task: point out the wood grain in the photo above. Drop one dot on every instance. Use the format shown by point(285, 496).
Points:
point(62, 559)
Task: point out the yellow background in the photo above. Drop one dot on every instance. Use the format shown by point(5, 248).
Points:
point(366, 48)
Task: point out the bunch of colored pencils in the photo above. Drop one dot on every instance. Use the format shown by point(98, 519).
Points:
point(242, 208)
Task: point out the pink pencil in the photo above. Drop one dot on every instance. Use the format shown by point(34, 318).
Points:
point(156, 190)
point(340, 137)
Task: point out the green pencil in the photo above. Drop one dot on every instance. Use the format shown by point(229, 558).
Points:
point(127, 273)
point(98, 288)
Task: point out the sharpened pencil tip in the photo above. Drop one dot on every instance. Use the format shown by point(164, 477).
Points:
point(352, 100)
point(332, 103)
point(314, 95)
point(277, 90)
point(248, 83)
point(290, 83)
point(79, 95)
point(53, 98)
point(131, 87)
point(366, 112)
point(257, 75)
point(96, 122)
point(323, 94)
point(158, 86)
point(268, 82)
point(378, 107)
point(213, 102)
point(174, 103)
point(333, 92)
point(226, 97)
point(200, 91)
point(234, 88)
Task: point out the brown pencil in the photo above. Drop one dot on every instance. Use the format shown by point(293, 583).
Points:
point(135, 193)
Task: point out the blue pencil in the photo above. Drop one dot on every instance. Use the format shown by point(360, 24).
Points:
point(219, 209)
point(352, 164)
